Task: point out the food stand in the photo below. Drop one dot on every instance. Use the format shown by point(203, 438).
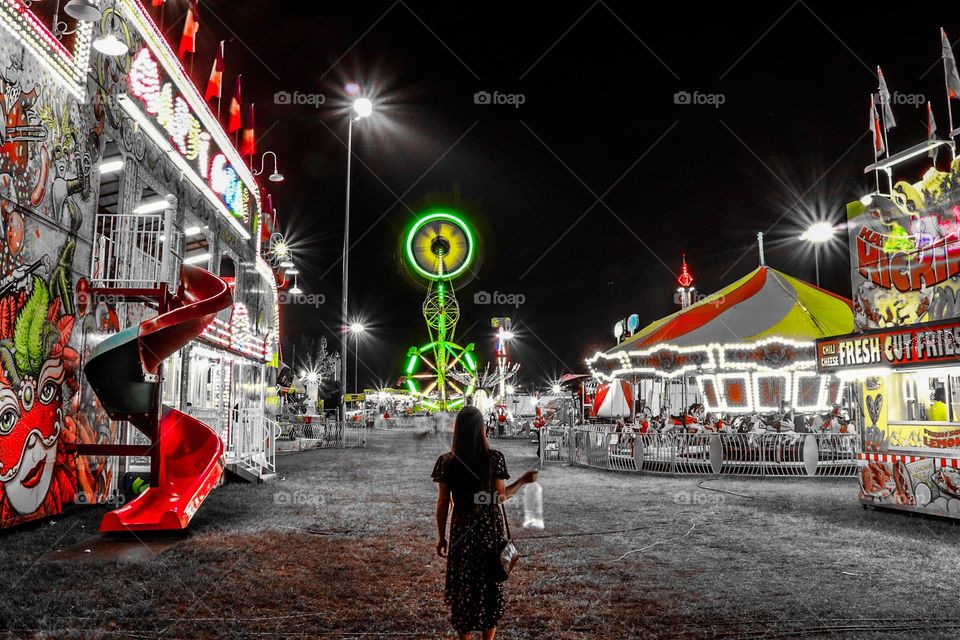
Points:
point(903, 364)
point(908, 385)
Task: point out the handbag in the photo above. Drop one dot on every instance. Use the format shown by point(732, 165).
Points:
point(508, 554)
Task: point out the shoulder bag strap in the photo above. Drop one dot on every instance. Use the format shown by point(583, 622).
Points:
point(493, 491)
point(506, 522)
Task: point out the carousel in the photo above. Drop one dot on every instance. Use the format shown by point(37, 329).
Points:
point(738, 363)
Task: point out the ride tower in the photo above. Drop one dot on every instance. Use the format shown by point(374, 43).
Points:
point(439, 248)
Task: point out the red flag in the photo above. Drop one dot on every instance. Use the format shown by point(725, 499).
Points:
point(215, 83)
point(188, 41)
point(876, 128)
point(234, 123)
point(949, 67)
point(248, 139)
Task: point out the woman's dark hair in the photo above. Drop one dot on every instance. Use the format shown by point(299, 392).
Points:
point(471, 452)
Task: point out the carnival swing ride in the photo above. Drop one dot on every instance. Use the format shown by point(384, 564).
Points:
point(439, 248)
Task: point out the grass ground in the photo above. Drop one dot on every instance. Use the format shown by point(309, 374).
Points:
point(342, 546)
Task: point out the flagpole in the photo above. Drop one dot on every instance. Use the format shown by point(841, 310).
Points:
point(946, 84)
point(220, 88)
point(876, 172)
point(886, 141)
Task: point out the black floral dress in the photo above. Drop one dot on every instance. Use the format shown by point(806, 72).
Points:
point(476, 601)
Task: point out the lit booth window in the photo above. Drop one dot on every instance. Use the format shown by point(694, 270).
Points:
point(709, 393)
point(735, 392)
point(771, 391)
point(812, 391)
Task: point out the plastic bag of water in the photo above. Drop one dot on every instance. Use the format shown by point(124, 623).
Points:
point(533, 506)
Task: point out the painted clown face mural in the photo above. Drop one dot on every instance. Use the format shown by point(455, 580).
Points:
point(36, 474)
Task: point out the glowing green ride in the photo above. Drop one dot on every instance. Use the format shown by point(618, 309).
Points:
point(440, 247)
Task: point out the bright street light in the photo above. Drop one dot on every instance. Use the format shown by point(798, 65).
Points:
point(363, 107)
point(816, 234)
point(357, 327)
point(507, 334)
point(819, 232)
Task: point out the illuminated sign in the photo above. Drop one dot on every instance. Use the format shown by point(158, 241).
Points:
point(70, 67)
point(914, 345)
point(172, 115)
point(237, 336)
point(903, 265)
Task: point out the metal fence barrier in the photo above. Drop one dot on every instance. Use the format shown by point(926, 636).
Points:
point(740, 454)
point(554, 445)
point(299, 436)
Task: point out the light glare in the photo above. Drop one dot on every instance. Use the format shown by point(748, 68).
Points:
point(363, 107)
point(819, 232)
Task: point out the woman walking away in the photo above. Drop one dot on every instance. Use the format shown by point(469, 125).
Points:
point(473, 474)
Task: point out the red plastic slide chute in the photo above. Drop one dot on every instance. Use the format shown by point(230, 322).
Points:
point(124, 372)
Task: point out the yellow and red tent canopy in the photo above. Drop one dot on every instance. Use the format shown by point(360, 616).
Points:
point(765, 303)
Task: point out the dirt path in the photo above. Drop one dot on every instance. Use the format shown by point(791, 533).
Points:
point(341, 546)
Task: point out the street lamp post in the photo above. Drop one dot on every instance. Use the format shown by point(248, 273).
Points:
point(356, 329)
point(816, 234)
point(362, 107)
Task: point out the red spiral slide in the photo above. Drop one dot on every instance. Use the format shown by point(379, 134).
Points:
point(124, 372)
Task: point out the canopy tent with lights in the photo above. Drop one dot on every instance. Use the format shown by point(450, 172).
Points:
point(762, 304)
point(749, 346)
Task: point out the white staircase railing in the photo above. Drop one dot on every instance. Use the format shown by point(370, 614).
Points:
point(133, 250)
point(212, 417)
point(251, 442)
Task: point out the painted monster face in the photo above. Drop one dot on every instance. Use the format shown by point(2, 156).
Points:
point(31, 418)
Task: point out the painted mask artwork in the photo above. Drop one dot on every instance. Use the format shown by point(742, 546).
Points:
point(37, 475)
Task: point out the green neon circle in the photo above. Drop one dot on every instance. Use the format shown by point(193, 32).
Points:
point(449, 217)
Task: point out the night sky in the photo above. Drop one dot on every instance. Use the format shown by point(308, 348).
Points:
point(599, 121)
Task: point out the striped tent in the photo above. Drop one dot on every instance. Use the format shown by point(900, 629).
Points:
point(765, 303)
point(613, 400)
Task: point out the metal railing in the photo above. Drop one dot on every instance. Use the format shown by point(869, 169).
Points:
point(251, 441)
point(132, 250)
point(299, 436)
point(213, 418)
point(742, 454)
point(554, 445)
